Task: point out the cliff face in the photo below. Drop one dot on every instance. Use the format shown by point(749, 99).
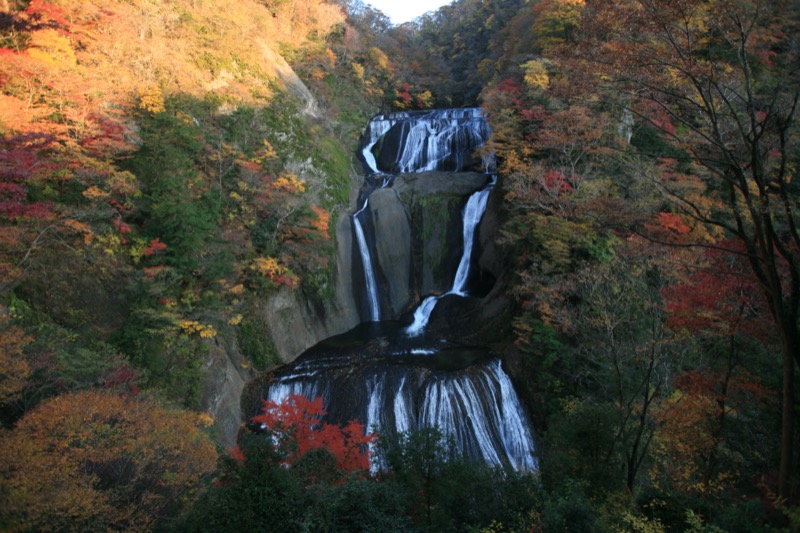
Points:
point(408, 264)
point(423, 274)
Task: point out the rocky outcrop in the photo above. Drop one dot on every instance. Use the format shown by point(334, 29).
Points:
point(393, 246)
point(296, 320)
point(225, 376)
point(291, 82)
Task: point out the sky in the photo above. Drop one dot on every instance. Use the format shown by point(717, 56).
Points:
point(400, 11)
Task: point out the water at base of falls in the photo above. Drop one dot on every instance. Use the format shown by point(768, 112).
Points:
point(395, 377)
point(392, 383)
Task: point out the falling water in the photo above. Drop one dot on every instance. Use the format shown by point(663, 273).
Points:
point(429, 140)
point(475, 406)
point(376, 130)
point(421, 316)
point(402, 415)
point(366, 261)
point(473, 212)
point(440, 139)
point(390, 376)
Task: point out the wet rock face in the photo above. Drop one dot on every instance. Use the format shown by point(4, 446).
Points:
point(412, 262)
point(393, 248)
point(434, 201)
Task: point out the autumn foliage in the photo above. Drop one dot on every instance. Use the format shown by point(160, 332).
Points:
point(296, 427)
point(14, 368)
point(102, 460)
point(160, 176)
point(138, 180)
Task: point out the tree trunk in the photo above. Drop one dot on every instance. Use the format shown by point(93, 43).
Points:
point(786, 482)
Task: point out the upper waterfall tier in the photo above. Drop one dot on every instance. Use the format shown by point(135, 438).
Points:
point(420, 141)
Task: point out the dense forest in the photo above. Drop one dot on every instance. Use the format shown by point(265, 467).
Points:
point(168, 166)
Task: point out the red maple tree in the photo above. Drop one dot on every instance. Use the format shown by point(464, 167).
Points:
point(295, 425)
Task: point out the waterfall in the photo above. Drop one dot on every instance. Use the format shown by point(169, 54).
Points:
point(426, 141)
point(473, 212)
point(476, 407)
point(389, 376)
point(440, 139)
point(421, 316)
point(366, 261)
point(402, 414)
point(377, 129)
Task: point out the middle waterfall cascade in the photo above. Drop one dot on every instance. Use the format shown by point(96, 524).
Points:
point(473, 211)
point(396, 377)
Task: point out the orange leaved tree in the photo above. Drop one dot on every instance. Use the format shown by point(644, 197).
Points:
point(97, 460)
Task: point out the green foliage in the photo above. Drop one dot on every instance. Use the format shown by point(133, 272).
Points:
point(580, 445)
point(169, 358)
point(282, 116)
point(335, 163)
point(360, 505)
point(444, 492)
point(421, 487)
point(82, 367)
point(178, 205)
point(548, 362)
point(257, 496)
point(569, 511)
point(463, 39)
point(648, 140)
point(261, 494)
point(253, 338)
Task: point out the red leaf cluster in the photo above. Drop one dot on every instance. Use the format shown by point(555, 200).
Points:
point(122, 379)
point(23, 161)
point(722, 297)
point(711, 383)
point(404, 93)
point(296, 426)
point(556, 182)
point(509, 90)
point(154, 247)
point(46, 15)
point(673, 223)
